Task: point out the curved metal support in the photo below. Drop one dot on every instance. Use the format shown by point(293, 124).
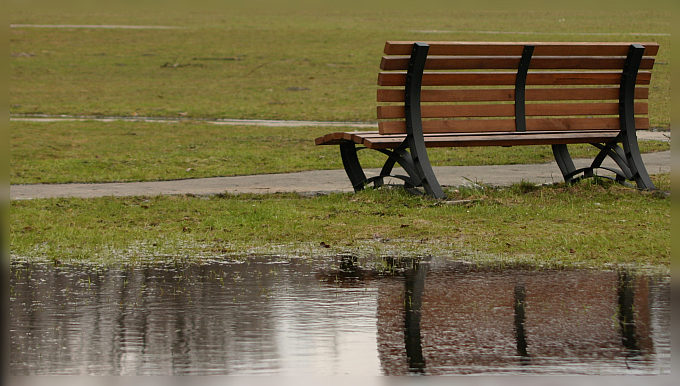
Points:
point(389, 165)
point(384, 172)
point(627, 117)
point(616, 154)
point(569, 171)
point(357, 177)
point(377, 180)
point(590, 172)
point(563, 159)
point(403, 158)
point(350, 161)
point(414, 128)
point(615, 179)
point(520, 86)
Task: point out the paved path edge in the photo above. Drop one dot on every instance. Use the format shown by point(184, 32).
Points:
point(313, 181)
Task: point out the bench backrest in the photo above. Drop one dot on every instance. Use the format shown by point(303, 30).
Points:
point(527, 86)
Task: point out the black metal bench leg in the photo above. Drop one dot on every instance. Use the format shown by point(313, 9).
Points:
point(414, 127)
point(627, 117)
point(350, 161)
point(637, 168)
point(563, 159)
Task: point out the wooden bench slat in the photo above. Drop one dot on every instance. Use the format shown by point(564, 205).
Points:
point(508, 78)
point(492, 125)
point(376, 135)
point(515, 48)
point(467, 95)
point(332, 138)
point(508, 110)
point(389, 63)
point(374, 139)
point(490, 95)
point(463, 140)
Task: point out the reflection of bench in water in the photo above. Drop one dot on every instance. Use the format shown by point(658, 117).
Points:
point(275, 315)
point(468, 320)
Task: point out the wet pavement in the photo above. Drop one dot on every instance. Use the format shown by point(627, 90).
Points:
point(273, 315)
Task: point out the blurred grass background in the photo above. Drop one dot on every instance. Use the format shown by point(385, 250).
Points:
point(275, 62)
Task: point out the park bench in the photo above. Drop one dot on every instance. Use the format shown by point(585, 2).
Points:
point(455, 94)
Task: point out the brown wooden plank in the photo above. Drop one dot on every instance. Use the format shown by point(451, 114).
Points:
point(377, 136)
point(490, 95)
point(563, 109)
point(499, 140)
point(540, 124)
point(508, 78)
point(450, 111)
point(515, 48)
point(467, 95)
point(491, 125)
point(508, 110)
point(330, 139)
point(511, 62)
point(338, 137)
point(581, 93)
point(450, 126)
point(374, 136)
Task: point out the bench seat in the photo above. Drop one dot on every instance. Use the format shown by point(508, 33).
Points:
point(375, 140)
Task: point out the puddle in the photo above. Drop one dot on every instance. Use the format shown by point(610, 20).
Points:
point(301, 316)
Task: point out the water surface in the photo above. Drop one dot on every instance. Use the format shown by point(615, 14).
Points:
point(273, 315)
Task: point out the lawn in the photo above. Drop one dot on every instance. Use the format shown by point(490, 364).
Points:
point(60, 152)
point(585, 225)
point(274, 63)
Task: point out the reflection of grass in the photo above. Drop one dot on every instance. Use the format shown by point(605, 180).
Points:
point(586, 224)
point(293, 64)
point(124, 151)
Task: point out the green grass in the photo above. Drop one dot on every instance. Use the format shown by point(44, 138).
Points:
point(589, 224)
point(290, 63)
point(60, 152)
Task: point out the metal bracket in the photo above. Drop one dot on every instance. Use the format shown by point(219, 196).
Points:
point(414, 127)
point(355, 172)
point(627, 117)
point(520, 86)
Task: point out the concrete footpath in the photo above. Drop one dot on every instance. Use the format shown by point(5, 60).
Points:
point(315, 181)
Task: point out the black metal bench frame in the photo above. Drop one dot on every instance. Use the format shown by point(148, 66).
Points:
point(412, 156)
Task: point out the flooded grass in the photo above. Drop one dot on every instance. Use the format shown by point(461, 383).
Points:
point(340, 316)
point(586, 225)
